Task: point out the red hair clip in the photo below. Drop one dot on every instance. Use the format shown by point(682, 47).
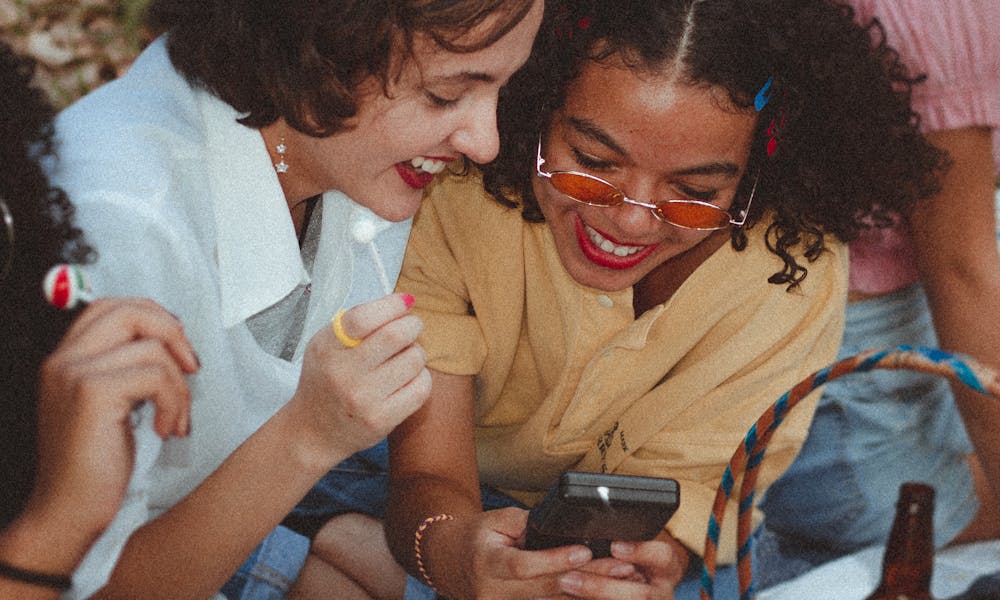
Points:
point(774, 131)
point(563, 28)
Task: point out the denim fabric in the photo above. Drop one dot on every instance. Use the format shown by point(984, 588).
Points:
point(358, 484)
point(725, 586)
point(271, 569)
point(871, 433)
point(986, 587)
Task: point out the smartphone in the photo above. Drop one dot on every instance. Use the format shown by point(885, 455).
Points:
point(594, 509)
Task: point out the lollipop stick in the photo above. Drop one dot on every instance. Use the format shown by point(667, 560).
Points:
point(383, 277)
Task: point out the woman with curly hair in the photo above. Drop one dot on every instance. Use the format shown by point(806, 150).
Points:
point(255, 172)
point(68, 379)
point(931, 280)
point(655, 256)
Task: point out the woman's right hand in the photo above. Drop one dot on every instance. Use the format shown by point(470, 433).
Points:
point(352, 397)
point(117, 353)
point(488, 562)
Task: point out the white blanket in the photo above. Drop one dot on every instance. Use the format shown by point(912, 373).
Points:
point(854, 577)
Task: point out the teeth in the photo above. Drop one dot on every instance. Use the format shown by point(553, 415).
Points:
point(605, 244)
point(427, 165)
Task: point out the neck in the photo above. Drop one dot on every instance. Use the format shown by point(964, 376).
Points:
point(293, 181)
point(659, 285)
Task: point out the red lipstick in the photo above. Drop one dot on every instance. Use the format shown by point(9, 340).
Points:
point(604, 259)
point(412, 178)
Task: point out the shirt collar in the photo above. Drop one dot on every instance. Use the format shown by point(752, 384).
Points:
point(257, 251)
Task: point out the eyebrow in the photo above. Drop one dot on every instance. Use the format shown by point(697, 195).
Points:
point(590, 130)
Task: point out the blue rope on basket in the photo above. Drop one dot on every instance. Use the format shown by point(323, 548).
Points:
point(749, 455)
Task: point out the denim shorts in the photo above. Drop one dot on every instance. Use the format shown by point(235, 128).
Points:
point(358, 484)
point(871, 432)
point(271, 569)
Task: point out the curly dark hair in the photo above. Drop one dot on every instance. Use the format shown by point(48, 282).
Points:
point(44, 235)
point(303, 60)
point(850, 156)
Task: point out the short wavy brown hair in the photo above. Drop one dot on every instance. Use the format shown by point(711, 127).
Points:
point(303, 60)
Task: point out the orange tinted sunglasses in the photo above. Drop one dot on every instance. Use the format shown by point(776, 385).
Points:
point(688, 214)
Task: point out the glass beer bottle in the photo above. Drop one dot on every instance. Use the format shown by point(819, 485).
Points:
point(909, 553)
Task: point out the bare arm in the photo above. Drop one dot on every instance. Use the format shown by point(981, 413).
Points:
point(956, 243)
point(116, 353)
point(347, 399)
point(433, 457)
point(433, 471)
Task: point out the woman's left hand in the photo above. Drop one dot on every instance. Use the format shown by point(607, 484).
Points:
point(658, 567)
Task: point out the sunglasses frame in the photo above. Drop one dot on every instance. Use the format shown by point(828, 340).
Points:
point(653, 207)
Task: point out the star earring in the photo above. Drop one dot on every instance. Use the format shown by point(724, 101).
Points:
point(281, 166)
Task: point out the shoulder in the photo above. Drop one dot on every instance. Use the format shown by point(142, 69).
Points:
point(150, 97)
point(826, 274)
point(458, 209)
point(464, 195)
point(130, 148)
point(130, 130)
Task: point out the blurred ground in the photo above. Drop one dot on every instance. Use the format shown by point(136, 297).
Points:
point(78, 44)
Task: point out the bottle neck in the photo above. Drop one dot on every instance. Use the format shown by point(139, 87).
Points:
point(909, 554)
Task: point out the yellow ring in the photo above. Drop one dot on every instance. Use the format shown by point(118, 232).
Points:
point(338, 330)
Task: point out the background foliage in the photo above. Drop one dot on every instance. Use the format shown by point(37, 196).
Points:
point(78, 44)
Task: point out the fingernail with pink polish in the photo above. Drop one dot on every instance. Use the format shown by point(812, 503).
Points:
point(408, 300)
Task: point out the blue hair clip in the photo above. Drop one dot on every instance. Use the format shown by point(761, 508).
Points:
point(763, 97)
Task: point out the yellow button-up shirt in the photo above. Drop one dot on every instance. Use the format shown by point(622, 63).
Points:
point(567, 378)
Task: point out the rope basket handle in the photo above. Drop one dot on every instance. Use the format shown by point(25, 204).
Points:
point(749, 455)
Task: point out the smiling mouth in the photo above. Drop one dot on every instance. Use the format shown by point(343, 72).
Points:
point(603, 252)
point(427, 164)
point(419, 171)
point(607, 245)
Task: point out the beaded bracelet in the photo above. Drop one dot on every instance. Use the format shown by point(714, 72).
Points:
point(417, 536)
point(58, 582)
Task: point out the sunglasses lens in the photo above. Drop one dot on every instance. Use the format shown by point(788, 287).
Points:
point(693, 215)
point(586, 189)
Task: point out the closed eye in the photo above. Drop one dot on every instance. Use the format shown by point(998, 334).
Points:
point(439, 101)
point(589, 162)
point(703, 195)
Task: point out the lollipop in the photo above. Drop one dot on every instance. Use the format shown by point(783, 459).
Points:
point(66, 286)
point(364, 228)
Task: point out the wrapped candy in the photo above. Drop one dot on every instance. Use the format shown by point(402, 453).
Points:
point(66, 286)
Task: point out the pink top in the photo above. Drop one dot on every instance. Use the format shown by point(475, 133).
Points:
point(954, 42)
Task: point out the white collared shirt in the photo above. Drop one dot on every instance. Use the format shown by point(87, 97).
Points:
point(183, 205)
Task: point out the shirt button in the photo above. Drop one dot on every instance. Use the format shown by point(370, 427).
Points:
point(605, 301)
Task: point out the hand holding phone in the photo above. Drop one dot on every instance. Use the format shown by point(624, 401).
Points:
point(594, 509)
